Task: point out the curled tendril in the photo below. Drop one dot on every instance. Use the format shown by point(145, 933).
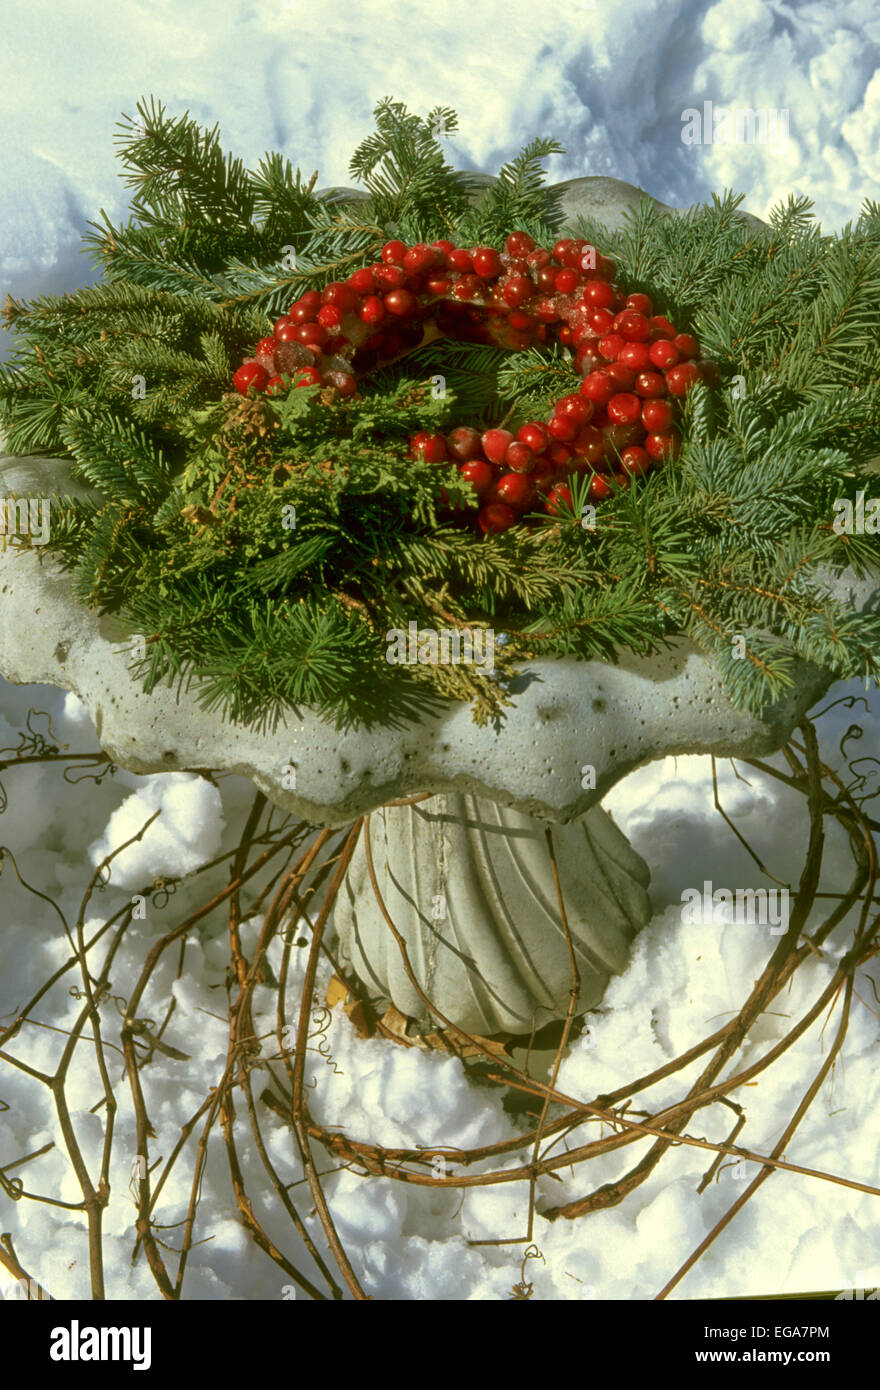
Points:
point(523, 1289)
point(100, 760)
point(13, 1187)
point(101, 996)
point(849, 701)
point(37, 744)
point(853, 734)
point(322, 1017)
point(163, 888)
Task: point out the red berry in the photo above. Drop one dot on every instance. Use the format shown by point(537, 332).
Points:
point(487, 263)
point(266, 346)
point(635, 460)
point(619, 437)
point(250, 374)
point(538, 258)
point(622, 375)
point(341, 296)
point(429, 448)
point(463, 443)
point(545, 474)
point(641, 303)
point(598, 387)
point(275, 386)
point(303, 313)
point(520, 458)
point(650, 384)
point(497, 516)
point(624, 409)
point(479, 474)
point(467, 287)
point(663, 354)
point(401, 303)
point(306, 376)
point(656, 416)
point(518, 289)
point(610, 346)
point(443, 246)
point(601, 321)
point(546, 278)
point(312, 334)
point(687, 345)
point(393, 252)
point(361, 281)
point(419, 258)
point(389, 277)
point(598, 489)
point(438, 284)
point(575, 408)
point(461, 260)
point(562, 429)
point(559, 455)
point(634, 326)
point(680, 379)
point(661, 327)
point(590, 444)
point(534, 435)
point(372, 309)
point(559, 500)
point(519, 244)
point(566, 281)
point(561, 247)
point(661, 446)
point(599, 294)
point(284, 322)
point(495, 444)
point(635, 355)
point(330, 317)
point(516, 489)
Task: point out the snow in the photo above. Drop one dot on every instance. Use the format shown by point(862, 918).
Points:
point(612, 87)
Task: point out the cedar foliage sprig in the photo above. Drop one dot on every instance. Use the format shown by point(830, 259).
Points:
point(264, 547)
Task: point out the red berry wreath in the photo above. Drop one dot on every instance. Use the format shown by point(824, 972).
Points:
point(636, 366)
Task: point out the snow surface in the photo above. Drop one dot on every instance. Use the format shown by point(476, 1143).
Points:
point(611, 83)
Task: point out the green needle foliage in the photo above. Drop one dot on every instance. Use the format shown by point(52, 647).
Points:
point(264, 547)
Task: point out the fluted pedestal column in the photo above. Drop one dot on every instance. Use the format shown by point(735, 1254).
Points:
point(469, 885)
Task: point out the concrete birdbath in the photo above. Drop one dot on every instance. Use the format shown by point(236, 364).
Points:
point(466, 874)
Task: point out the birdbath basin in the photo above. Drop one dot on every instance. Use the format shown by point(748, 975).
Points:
point(466, 874)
